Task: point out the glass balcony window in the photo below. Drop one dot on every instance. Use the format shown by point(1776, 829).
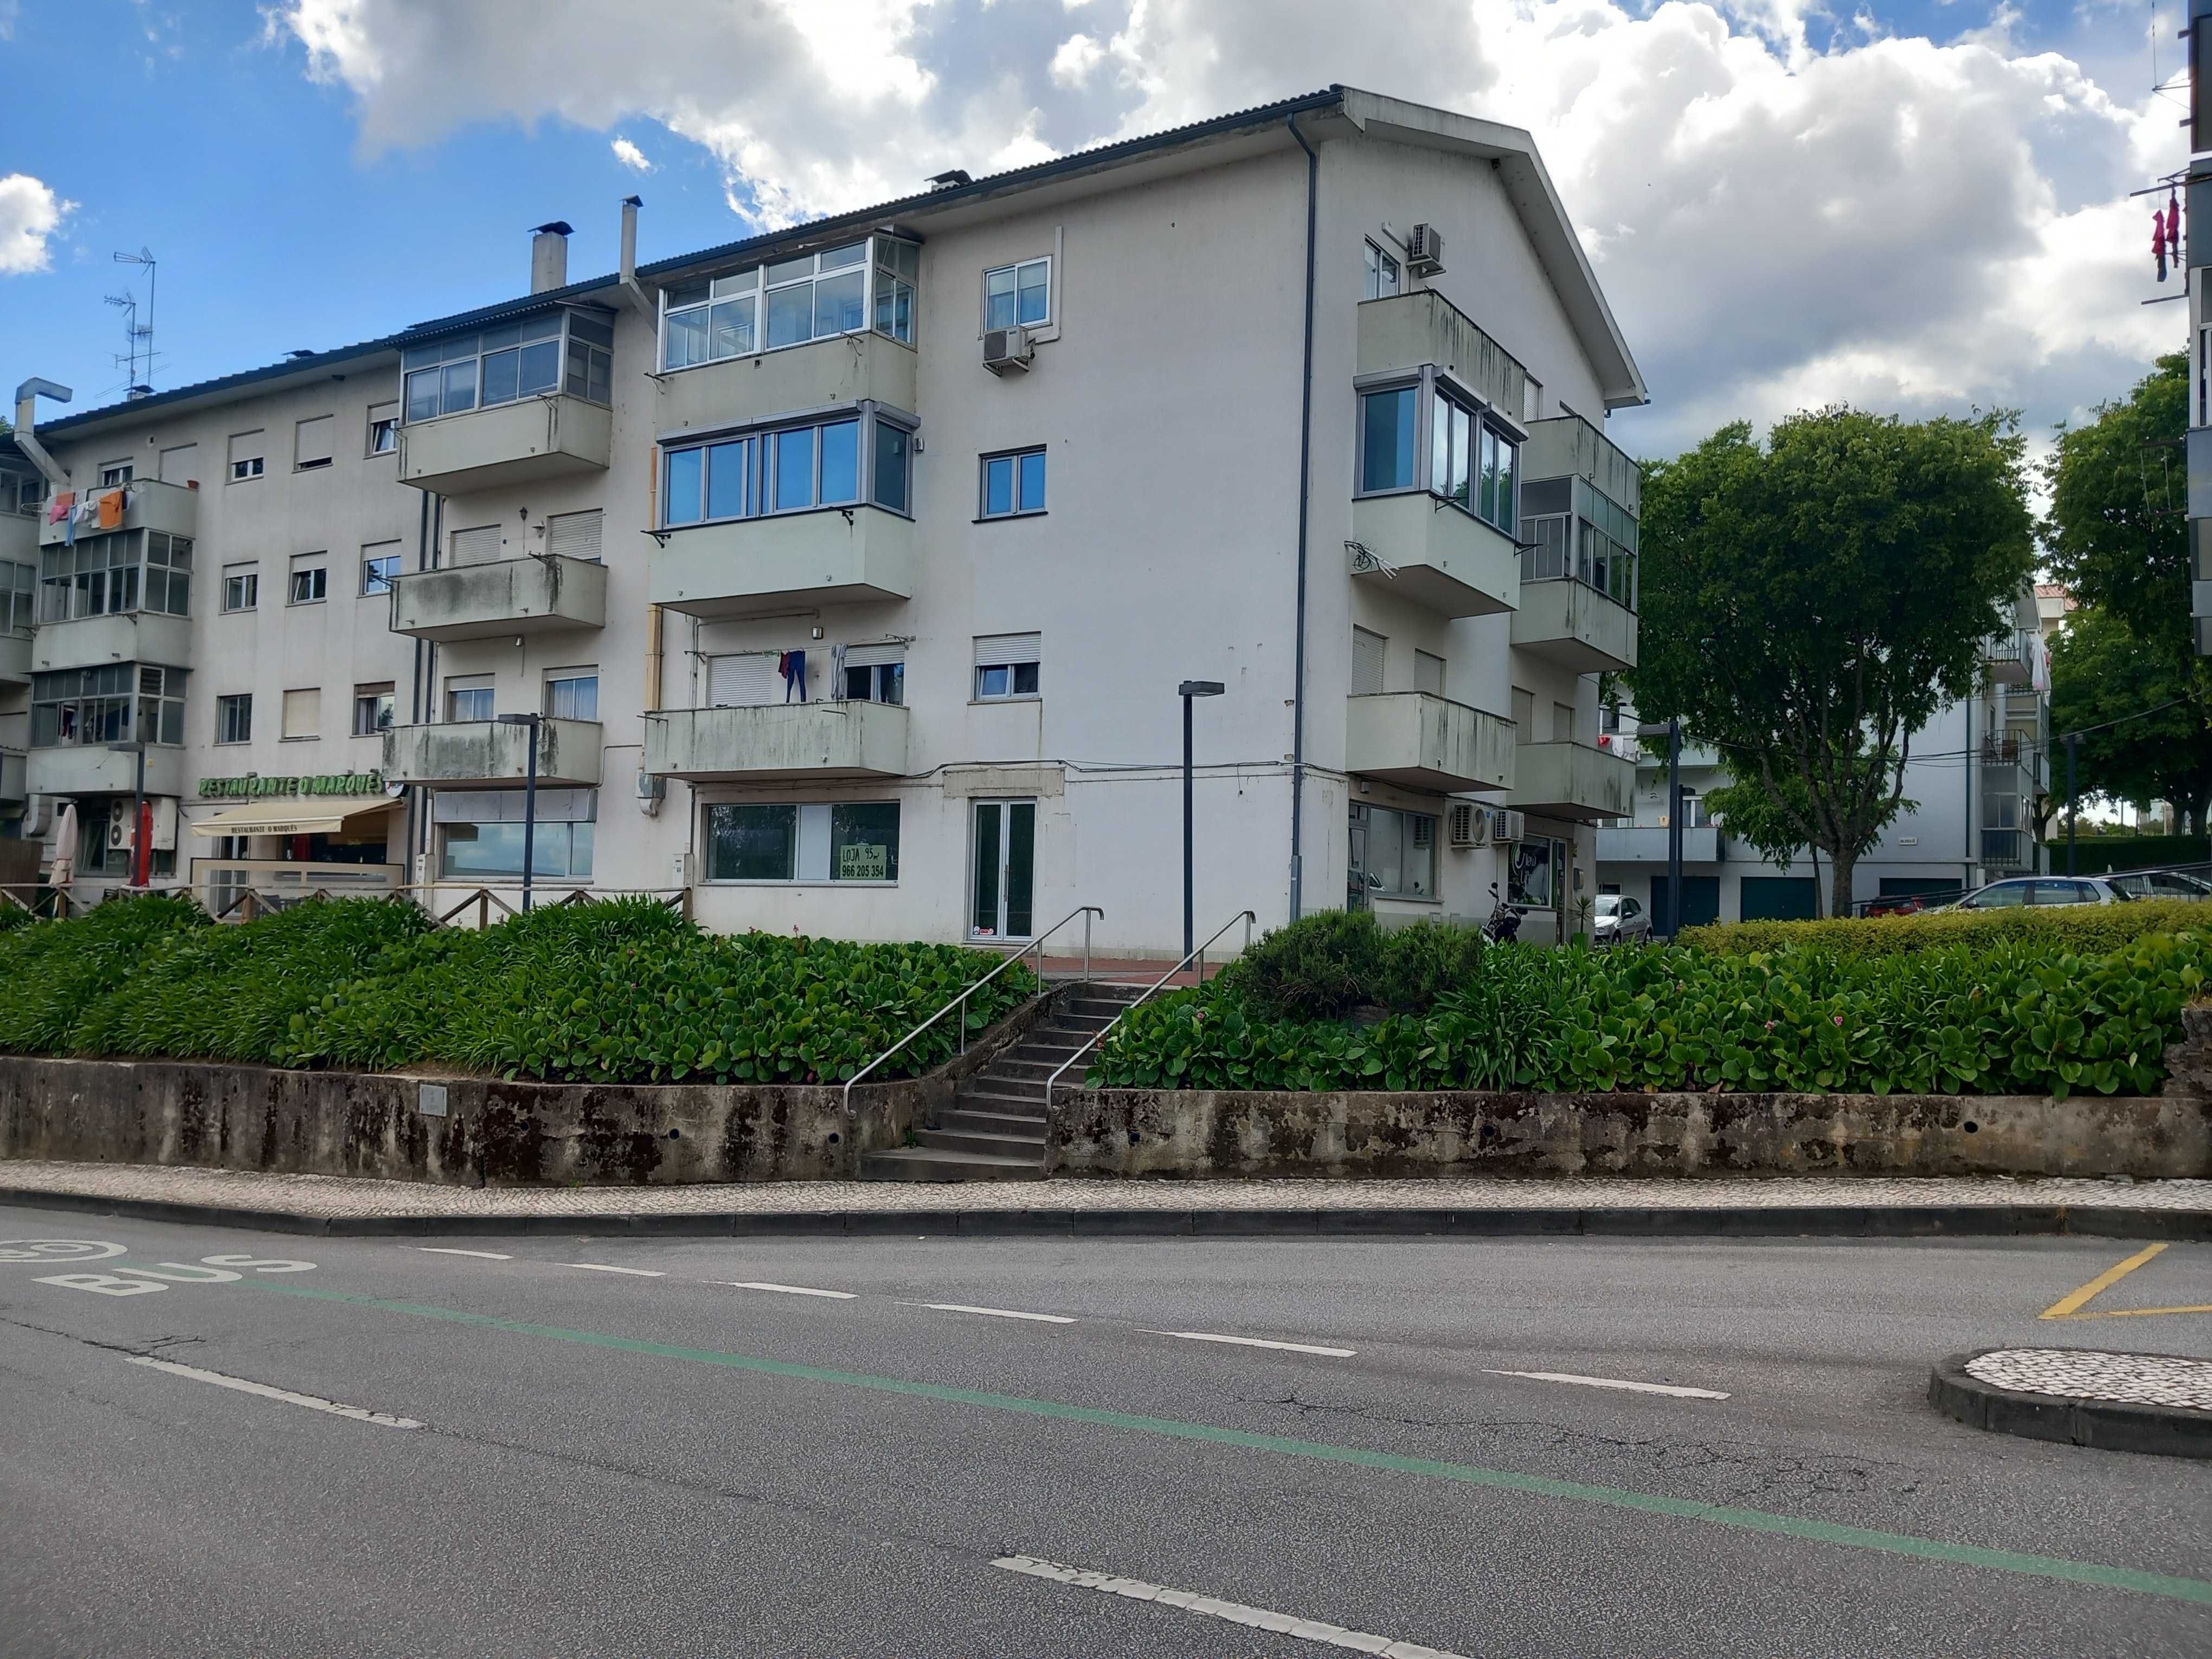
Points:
point(862, 285)
point(1423, 430)
point(788, 469)
point(567, 349)
point(1578, 534)
point(115, 702)
point(112, 574)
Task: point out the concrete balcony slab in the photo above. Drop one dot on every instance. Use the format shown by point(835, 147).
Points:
point(1427, 742)
point(504, 598)
point(15, 659)
point(1422, 548)
point(95, 642)
point(747, 567)
point(1573, 624)
point(147, 505)
point(550, 436)
point(826, 374)
point(777, 741)
point(1573, 781)
point(479, 754)
point(76, 770)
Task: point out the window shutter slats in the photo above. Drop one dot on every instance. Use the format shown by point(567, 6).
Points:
point(477, 546)
point(874, 656)
point(993, 649)
point(744, 679)
point(575, 535)
point(1366, 663)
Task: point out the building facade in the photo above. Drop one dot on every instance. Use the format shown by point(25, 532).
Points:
point(845, 576)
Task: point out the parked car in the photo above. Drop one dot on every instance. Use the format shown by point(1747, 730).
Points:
point(1619, 921)
point(2040, 890)
point(2162, 884)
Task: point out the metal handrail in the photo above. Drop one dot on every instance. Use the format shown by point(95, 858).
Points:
point(1198, 956)
point(1086, 911)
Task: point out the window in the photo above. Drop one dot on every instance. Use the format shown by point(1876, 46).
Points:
point(383, 428)
point(1006, 666)
point(1014, 485)
point(874, 673)
point(786, 470)
point(245, 453)
point(116, 702)
point(310, 577)
point(1574, 530)
point(19, 583)
point(29, 492)
point(842, 840)
point(1524, 715)
point(241, 588)
point(303, 713)
point(168, 574)
point(374, 708)
point(112, 574)
point(573, 694)
point(1387, 439)
point(180, 464)
point(469, 699)
point(575, 535)
point(1019, 295)
point(314, 442)
point(486, 844)
point(380, 567)
point(114, 474)
point(1381, 277)
point(1393, 855)
point(1563, 722)
point(567, 349)
point(1472, 462)
point(1428, 673)
point(480, 545)
point(1536, 876)
point(233, 718)
point(1369, 653)
point(839, 290)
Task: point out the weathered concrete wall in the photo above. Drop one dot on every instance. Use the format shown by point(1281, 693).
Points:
point(1137, 1132)
point(343, 1123)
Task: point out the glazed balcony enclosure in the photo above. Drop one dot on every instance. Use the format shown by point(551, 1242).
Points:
point(1579, 506)
point(500, 598)
point(80, 769)
point(19, 590)
point(173, 509)
point(486, 754)
point(1573, 782)
point(513, 403)
point(797, 740)
point(1422, 741)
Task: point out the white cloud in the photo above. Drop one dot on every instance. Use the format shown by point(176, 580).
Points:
point(30, 213)
point(1778, 223)
point(630, 155)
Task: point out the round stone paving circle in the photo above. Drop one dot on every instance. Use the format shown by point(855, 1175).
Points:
point(2138, 1402)
point(2135, 1379)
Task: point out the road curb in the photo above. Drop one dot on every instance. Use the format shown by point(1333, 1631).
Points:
point(1535, 1221)
point(2105, 1424)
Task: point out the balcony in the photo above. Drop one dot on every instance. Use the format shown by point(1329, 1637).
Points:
point(1571, 623)
point(1409, 329)
point(1427, 742)
point(485, 754)
point(15, 658)
point(1573, 781)
point(146, 506)
point(808, 740)
point(91, 769)
point(13, 791)
point(1429, 551)
point(751, 566)
point(134, 636)
point(1568, 446)
point(548, 436)
point(2011, 658)
point(1642, 843)
point(838, 370)
point(500, 599)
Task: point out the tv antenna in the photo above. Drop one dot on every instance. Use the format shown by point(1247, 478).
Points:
point(140, 335)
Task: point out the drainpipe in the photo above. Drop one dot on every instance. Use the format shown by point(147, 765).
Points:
point(27, 410)
point(1305, 491)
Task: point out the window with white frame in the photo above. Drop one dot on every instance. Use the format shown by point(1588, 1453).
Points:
point(864, 285)
point(1379, 281)
point(114, 474)
point(1012, 485)
point(1019, 295)
point(481, 832)
point(874, 673)
point(1473, 460)
point(569, 349)
point(246, 453)
point(803, 841)
point(233, 718)
point(241, 587)
point(1007, 667)
point(1394, 854)
point(375, 708)
point(115, 702)
point(788, 469)
point(469, 698)
point(383, 428)
point(573, 694)
point(303, 713)
point(113, 574)
point(380, 567)
point(311, 579)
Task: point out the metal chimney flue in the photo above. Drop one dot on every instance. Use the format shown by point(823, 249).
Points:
point(629, 207)
point(549, 256)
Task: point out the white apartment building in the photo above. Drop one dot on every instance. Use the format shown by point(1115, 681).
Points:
point(1978, 777)
point(851, 570)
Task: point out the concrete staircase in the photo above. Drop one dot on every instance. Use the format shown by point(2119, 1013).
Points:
point(995, 1130)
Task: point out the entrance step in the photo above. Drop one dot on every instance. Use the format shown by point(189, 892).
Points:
point(935, 1163)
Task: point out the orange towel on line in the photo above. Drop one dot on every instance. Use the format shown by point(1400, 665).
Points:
point(111, 510)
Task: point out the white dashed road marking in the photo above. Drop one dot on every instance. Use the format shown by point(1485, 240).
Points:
point(1613, 1382)
point(265, 1392)
point(1000, 1313)
point(1259, 1342)
point(1235, 1613)
point(602, 1268)
point(447, 1249)
point(785, 1290)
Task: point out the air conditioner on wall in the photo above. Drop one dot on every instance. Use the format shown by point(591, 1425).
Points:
point(1005, 349)
point(1425, 250)
point(1467, 825)
point(1508, 826)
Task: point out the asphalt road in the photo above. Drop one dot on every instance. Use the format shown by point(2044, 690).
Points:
point(673, 1460)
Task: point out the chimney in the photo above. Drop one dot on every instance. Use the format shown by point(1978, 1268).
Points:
point(27, 411)
point(549, 257)
point(630, 205)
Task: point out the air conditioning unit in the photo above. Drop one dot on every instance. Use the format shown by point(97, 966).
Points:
point(1425, 250)
point(1508, 826)
point(1467, 825)
point(119, 826)
point(1005, 349)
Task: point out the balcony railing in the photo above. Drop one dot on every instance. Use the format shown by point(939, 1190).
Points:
point(490, 753)
point(747, 567)
point(1450, 562)
point(1426, 742)
point(146, 505)
point(825, 740)
point(500, 598)
point(1573, 781)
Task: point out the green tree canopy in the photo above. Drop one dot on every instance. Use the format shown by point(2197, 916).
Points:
point(1810, 603)
point(2101, 672)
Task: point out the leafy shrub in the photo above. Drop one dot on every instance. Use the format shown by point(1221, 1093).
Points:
point(2088, 928)
point(1327, 965)
point(13, 916)
point(2009, 1016)
point(619, 991)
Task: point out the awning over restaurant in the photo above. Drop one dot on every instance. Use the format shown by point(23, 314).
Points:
point(311, 815)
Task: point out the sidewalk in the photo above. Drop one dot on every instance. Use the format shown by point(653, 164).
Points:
point(1848, 1206)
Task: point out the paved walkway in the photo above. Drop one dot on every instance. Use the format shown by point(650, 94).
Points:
point(2133, 1379)
point(335, 1197)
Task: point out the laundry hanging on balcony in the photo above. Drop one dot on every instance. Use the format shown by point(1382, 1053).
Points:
point(2158, 241)
point(59, 507)
point(110, 510)
point(791, 664)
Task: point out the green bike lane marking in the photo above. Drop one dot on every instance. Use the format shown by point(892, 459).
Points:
point(2196, 1590)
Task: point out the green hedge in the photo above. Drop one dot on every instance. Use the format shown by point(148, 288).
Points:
point(2092, 928)
point(620, 991)
point(2007, 1016)
point(2094, 855)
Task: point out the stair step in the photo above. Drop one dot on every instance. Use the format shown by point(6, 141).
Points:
point(992, 1146)
point(934, 1164)
point(1007, 1099)
point(964, 1120)
point(1010, 1070)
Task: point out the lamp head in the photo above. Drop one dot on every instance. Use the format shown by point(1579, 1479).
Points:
point(1201, 689)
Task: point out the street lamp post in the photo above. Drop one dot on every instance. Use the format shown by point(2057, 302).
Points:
point(529, 800)
point(1187, 691)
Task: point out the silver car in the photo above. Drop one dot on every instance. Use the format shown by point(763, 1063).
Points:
point(2162, 884)
point(1620, 921)
point(2041, 891)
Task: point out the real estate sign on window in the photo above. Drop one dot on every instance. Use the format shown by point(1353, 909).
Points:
point(864, 862)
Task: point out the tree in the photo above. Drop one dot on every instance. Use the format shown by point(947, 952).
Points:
point(2101, 672)
point(1808, 604)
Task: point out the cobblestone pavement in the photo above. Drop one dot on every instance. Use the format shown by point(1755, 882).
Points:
point(2134, 1379)
point(345, 1196)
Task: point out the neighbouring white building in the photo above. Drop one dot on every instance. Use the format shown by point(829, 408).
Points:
point(850, 570)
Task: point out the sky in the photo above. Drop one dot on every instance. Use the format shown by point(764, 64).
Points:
point(1915, 206)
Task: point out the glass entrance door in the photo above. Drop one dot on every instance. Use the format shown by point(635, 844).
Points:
point(1004, 874)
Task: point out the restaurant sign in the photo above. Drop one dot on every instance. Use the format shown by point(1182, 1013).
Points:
point(254, 786)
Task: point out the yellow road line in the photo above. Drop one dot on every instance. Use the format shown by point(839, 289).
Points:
point(2136, 1313)
point(2069, 1304)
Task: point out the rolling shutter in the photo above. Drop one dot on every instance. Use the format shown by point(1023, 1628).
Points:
point(744, 679)
point(477, 546)
point(1366, 662)
point(992, 650)
point(575, 535)
point(874, 656)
